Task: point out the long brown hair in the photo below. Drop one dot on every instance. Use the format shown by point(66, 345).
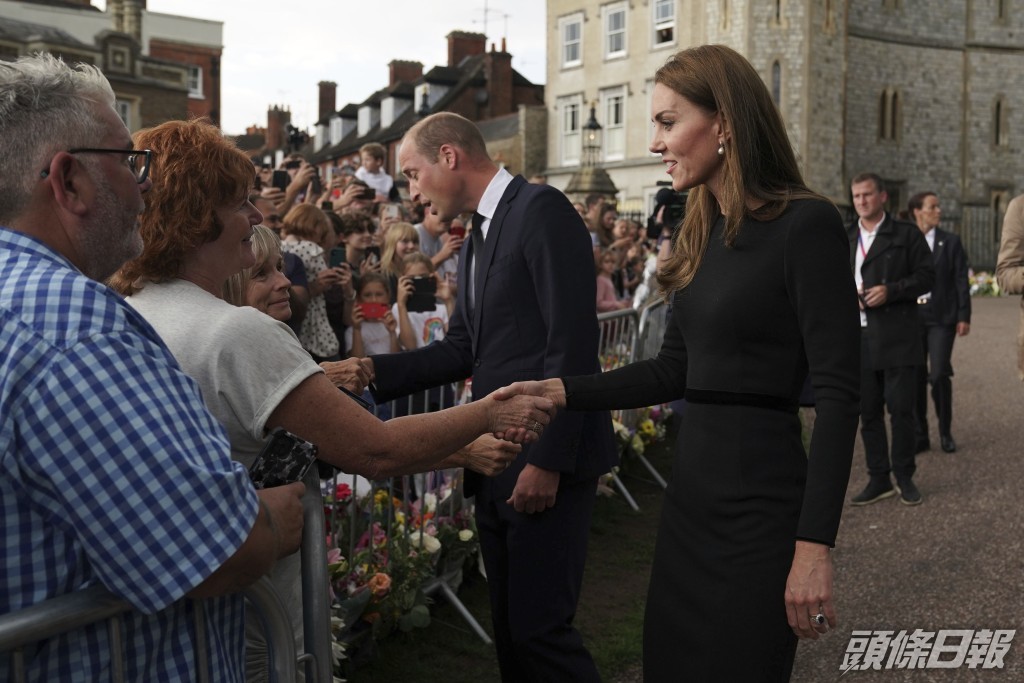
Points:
point(758, 165)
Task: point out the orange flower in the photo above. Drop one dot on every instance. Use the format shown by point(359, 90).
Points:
point(379, 584)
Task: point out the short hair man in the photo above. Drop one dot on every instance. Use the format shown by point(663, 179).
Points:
point(892, 267)
point(526, 309)
point(111, 469)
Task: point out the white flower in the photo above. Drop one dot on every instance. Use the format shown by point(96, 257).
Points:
point(418, 539)
point(466, 535)
point(430, 502)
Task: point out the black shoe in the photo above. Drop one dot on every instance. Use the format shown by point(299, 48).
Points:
point(921, 446)
point(909, 495)
point(876, 490)
point(948, 445)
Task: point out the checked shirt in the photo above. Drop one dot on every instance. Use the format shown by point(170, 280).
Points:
point(111, 471)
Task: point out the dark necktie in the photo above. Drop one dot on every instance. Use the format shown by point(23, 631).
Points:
point(477, 235)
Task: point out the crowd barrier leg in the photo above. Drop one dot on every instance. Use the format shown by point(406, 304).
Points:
point(439, 585)
point(263, 601)
point(316, 600)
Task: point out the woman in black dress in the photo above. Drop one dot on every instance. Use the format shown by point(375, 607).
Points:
point(762, 293)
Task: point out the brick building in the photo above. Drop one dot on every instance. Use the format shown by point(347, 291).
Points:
point(477, 83)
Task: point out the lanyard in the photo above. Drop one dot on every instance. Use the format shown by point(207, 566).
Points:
point(860, 243)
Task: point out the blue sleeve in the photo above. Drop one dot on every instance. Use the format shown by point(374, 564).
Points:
point(126, 459)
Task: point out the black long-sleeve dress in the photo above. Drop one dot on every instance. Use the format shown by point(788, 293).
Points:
point(741, 339)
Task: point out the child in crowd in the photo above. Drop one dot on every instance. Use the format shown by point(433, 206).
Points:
point(374, 326)
point(606, 263)
point(401, 240)
point(418, 328)
point(371, 172)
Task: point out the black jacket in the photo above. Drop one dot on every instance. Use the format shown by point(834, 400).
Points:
point(900, 259)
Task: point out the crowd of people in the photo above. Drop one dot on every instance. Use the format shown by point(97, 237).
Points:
point(168, 301)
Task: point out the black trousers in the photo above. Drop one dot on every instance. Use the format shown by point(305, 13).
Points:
point(937, 371)
point(534, 573)
point(895, 389)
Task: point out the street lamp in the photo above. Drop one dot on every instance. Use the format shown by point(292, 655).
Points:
point(592, 133)
point(591, 178)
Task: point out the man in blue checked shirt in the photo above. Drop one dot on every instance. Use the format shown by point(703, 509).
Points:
point(111, 469)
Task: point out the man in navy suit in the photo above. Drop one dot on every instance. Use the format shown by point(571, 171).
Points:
point(892, 268)
point(526, 309)
point(945, 313)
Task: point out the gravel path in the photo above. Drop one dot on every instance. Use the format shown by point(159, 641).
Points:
point(955, 561)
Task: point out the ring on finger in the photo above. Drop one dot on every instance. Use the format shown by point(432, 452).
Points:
point(818, 619)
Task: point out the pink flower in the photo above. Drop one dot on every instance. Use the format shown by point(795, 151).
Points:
point(342, 493)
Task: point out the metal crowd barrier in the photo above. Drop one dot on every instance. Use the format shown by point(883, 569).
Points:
point(95, 604)
point(627, 336)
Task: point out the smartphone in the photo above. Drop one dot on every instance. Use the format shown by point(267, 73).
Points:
point(327, 205)
point(337, 257)
point(368, 193)
point(281, 180)
point(318, 186)
point(257, 184)
point(293, 164)
point(373, 253)
point(373, 311)
point(392, 211)
point(285, 458)
point(457, 231)
point(424, 294)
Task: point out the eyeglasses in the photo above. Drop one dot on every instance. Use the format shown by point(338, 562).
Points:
point(141, 171)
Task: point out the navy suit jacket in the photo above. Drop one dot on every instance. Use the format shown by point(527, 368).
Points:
point(951, 293)
point(899, 258)
point(535, 318)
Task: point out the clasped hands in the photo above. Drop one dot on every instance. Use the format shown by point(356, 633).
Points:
point(551, 393)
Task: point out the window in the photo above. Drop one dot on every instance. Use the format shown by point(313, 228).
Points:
point(889, 114)
point(664, 22)
point(613, 113)
point(1001, 11)
point(195, 81)
point(998, 199)
point(336, 135)
point(778, 11)
point(614, 30)
point(725, 15)
point(569, 133)
point(777, 83)
point(571, 30)
point(1000, 132)
point(124, 112)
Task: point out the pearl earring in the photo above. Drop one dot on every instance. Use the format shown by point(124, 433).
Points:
point(721, 149)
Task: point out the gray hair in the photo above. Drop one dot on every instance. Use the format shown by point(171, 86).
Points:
point(45, 106)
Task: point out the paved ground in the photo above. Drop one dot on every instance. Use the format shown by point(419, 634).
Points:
point(957, 560)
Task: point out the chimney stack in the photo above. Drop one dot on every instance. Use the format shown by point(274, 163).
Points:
point(328, 99)
point(462, 44)
point(402, 71)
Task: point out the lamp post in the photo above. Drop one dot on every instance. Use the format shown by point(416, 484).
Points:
point(591, 178)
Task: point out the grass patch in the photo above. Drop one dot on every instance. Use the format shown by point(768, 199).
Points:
point(610, 614)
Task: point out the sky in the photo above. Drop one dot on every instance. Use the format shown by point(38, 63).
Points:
point(276, 51)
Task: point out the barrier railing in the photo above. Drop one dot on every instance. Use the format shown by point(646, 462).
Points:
point(44, 620)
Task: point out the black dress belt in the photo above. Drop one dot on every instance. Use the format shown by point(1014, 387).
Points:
point(730, 398)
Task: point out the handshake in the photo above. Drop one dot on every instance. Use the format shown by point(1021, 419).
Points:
point(520, 411)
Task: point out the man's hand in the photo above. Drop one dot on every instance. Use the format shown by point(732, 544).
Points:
point(963, 329)
point(876, 296)
point(535, 490)
point(348, 373)
point(282, 506)
point(487, 456)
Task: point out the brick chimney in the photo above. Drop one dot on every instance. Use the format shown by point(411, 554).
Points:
point(328, 99)
point(278, 119)
point(402, 71)
point(462, 44)
point(498, 72)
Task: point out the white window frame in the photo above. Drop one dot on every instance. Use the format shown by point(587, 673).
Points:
point(570, 129)
point(607, 12)
point(564, 43)
point(195, 81)
point(125, 112)
point(668, 22)
point(613, 120)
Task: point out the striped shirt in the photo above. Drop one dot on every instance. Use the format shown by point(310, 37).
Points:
point(111, 471)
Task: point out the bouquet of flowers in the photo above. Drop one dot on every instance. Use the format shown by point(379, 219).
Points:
point(650, 429)
point(983, 284)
